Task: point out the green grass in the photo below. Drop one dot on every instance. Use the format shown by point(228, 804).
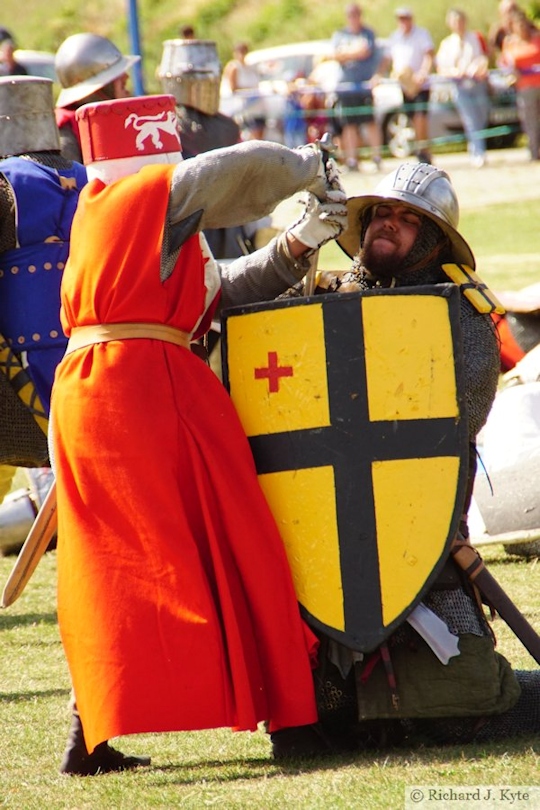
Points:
point(218, 768)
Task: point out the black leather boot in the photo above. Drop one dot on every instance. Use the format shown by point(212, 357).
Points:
point(300, 742)
point(103, 759)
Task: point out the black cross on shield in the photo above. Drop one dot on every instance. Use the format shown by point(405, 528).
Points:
point(353, 407)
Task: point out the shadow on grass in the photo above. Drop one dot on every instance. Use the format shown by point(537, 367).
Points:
point(9, 621)
point(22, 697)
point(234, 770)
point(511, 559)
point(241, 769)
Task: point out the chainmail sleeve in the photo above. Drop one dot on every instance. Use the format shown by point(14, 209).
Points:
point(262, 275)
point(482, 364)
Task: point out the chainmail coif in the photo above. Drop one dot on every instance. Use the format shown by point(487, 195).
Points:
point(480, 348)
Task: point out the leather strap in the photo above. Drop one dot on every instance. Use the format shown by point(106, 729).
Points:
point(82, 336)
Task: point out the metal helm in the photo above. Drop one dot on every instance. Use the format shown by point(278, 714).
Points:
point(120, 136)
point(191, 71)
point(27, 122)
point(85, 63)
point(425, 189)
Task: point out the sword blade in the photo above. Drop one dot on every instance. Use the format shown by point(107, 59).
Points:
point(34, 547)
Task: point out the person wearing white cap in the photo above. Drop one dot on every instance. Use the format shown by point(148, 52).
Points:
point(89, 68)
point(168, 555)
point(409, 53)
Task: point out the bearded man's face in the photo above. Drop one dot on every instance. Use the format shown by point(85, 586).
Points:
point(389, 239)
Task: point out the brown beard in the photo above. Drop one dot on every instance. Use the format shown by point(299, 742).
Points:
point(384, 268)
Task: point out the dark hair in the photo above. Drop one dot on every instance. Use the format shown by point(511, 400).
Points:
point(5, 34)
point(186, 31)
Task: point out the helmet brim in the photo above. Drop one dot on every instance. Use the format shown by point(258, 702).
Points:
point(81, 90)
point(349, 241)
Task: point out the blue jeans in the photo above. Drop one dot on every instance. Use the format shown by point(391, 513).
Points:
point(472, 102)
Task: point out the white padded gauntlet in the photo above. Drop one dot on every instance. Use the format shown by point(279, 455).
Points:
point(321, 221)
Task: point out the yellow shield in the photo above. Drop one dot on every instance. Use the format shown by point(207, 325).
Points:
point(353, 409)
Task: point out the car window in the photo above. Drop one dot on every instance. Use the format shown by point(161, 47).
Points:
point(286, 69)
point(37, 63)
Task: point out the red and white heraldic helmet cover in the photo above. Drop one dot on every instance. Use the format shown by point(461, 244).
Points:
point(120, 136)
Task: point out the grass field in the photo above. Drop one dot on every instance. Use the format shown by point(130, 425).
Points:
point(219, 768)
point(223, 769)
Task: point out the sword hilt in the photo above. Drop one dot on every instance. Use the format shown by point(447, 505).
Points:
point(327, 148)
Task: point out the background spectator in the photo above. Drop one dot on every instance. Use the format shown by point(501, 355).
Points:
point(501, 27)
point(355, 49)
point(521, 52)
point(238, 76)
point(5, 34)
point(187, 32)
point(8, 64)
point(461, 57)
point(410, 53)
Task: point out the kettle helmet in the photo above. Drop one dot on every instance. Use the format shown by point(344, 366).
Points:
point(85, 63)
point(423, 187)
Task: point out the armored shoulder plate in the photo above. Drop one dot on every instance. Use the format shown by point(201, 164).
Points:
point(473, 288)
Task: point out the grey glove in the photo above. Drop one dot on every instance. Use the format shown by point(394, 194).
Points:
point(321, 221)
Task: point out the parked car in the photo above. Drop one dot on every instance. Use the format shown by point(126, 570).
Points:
point(37, 63)
point(299, 62)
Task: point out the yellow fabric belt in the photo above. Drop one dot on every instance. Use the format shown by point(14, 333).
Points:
point(82, 336)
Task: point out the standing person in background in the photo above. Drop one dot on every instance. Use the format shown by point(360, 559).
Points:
point(355, 49)
point(409, 53)
point(187, 32)
point(461, 58)
point(521, 54)
point(8, 64)
point(89, 68)
point(501, 27)
point(239, 77)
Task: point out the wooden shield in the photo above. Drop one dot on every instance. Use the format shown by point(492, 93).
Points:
point(353, 408)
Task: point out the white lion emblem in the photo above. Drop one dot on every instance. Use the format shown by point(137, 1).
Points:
point(150, 126)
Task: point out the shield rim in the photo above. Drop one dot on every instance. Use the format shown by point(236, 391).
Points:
point(452, 294)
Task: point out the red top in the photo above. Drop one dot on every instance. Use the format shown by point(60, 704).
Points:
point(175, 599)
point(524, 55)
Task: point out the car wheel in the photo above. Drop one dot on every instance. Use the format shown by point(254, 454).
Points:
point(399, 134)
point(503, 141)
